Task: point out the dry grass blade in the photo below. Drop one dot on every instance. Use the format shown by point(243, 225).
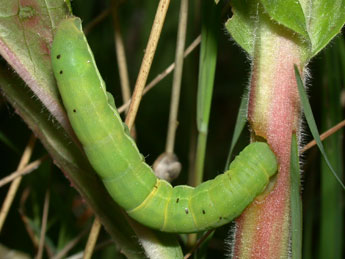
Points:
point(176, 86)
point(26, 170)
point(15, 184)
point(147, 61)
point(31, 233)
point(24, 196)
point(91, 242)
point(166, 72)
point(121, 58)
point(44, 225)
point(28, 225)
point(324, 135)
point(121, 61)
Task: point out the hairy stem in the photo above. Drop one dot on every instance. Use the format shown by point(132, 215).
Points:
point(274, 114)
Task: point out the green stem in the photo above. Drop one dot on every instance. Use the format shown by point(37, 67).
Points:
point(207, 67)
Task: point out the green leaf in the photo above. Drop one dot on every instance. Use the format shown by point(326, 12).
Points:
point(241, 121)
point(288, 13)
point(207, 64)
point(327, 17)
point(26, 32)
point(311, 122)
point(296, 201)
point(242, 24)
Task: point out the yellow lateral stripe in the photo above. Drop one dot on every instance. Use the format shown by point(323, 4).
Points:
point(166, 212)
point(147, 199)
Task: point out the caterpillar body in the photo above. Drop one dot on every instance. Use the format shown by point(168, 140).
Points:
point(118, 162)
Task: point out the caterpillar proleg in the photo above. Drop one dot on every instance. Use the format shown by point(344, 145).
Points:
point(118, 162)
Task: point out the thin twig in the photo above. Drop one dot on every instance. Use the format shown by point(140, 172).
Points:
point(97, 20)
point(147, 61)
point(324, 135)
point(90, 245)
point(28, 225)
point(165, 73)
point(200, 241)
point(71, 244)
point(26, 170)
point(176, 86)
point(15, 184)
point(44, 225)
point(29, 230)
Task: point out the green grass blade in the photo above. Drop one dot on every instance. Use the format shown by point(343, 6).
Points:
point(311, 123)
point(207, 68)
point(296, 202)
point(241, 121)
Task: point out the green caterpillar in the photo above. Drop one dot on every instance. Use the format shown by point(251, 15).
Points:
point(116, 158)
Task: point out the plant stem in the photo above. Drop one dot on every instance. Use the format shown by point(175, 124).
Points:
point(274, 114)
point(92, 239)
point(176, 86)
